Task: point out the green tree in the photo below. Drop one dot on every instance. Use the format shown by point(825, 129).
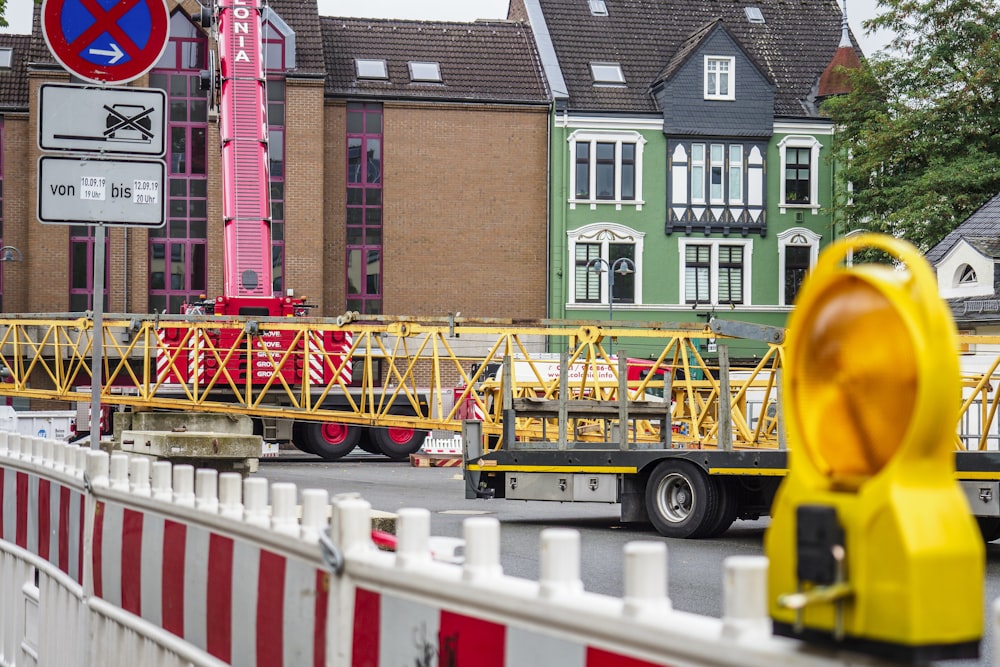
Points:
point(921, 128)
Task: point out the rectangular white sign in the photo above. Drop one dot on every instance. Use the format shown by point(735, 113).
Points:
point(74, 190)
point(123, 121)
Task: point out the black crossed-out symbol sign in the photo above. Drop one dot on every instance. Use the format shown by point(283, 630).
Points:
point(128, 122)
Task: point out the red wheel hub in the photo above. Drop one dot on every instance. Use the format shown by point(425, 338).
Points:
point(334, 433)
point(400, 436)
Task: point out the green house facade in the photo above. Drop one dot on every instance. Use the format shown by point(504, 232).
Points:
point(688, 153)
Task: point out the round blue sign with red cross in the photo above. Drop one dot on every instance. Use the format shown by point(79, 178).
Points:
point(106, 41)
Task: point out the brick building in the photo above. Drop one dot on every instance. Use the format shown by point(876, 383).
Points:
point(408, 172)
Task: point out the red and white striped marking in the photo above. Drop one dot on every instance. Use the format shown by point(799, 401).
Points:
point(189, 363)
point(163, 353)
point(43, 517)
point(165, 373)
point(241, 603)
point(343, 348)
point(390, 631)
point(316, 358)
point(196, 357)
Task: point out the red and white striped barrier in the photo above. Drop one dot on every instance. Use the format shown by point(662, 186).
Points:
point(241, 600)
point(184, 567)
point(40, 514)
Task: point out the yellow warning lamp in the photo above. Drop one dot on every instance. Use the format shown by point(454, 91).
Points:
point(872, 546)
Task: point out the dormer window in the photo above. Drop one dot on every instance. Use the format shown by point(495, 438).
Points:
point(598, 7)
point(719, 84)
point(425, 72)
point(371, 69)
point(278, 41)
point(967, 275)
point(607, 74)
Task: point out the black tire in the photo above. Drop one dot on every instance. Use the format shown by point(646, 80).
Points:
point(327, 439)
point(299, 438)
point(398, 442)
point(989, 527)
point(681, 500)
point(729, 505)
point(366, 443)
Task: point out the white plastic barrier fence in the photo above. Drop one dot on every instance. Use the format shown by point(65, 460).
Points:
point(438, 443)
point(108, 561)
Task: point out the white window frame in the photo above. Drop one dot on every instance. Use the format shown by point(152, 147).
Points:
point(730, 75)
point(965, 275)
point(598, 7)
point(594, 137)
point(719, 164)
point(607, 74)
point(371, 69)
point(814, 146)
point(604, 233)
point(795, 236)
point(424, 71)
point(698, 173)
point(754, 15)
point(734, 173)
point(713, 297)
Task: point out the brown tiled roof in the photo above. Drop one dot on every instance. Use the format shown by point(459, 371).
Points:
point(835, 79)
point(793, 47)
point(38, 51)
point(489, 61)
point(302, 16)
point(14, 82)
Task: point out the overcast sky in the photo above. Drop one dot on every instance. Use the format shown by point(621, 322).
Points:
point(19, 13)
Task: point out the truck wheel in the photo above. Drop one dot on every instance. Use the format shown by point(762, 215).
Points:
point(729, 506)
point(398, 442)
point(366, 444)
point(989, 527)
point(327, 439)
point(681, 500)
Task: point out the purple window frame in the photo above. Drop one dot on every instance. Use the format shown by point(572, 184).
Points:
point(183, 241)
point(364, 208)
point(274, 41)
point(81, 292)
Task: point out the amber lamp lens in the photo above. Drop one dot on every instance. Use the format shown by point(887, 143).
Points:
point(855, 380)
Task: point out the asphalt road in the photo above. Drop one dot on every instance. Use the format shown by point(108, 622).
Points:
point(695, 566)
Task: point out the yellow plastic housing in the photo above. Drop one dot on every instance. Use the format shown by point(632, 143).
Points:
point(871, 400)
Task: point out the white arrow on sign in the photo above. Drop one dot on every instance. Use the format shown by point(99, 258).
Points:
point(115, 53)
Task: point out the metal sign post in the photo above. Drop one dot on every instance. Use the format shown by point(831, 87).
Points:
point(106, 43)
point(97, 344)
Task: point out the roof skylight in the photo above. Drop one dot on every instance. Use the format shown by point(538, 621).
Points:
point(598, 7)
point(607, 73)
point(371, 69)
point(6, 58)
point(425, 72)
point(754, 14)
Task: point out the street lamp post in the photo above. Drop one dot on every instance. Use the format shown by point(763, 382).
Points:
point(623, 266)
